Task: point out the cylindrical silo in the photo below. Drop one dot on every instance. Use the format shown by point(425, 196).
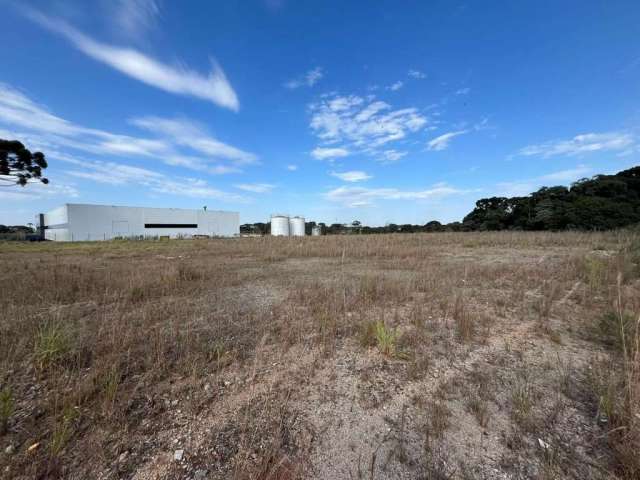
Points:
point(279, 225)
point(316, 231)
point(296, 226)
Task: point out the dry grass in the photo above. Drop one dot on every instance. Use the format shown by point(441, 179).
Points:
point(281, 359)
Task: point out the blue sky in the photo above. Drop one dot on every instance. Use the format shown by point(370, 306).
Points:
point(386, 111)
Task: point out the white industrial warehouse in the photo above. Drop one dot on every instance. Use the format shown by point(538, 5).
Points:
point(84, 222)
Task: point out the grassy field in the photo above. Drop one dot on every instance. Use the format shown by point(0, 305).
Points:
point(467, 355)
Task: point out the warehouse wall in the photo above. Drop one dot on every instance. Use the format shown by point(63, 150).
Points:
point(56, 220)
point(104, 222)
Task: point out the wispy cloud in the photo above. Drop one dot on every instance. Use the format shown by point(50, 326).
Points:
point(177, 142)
point(39, 191)
point(180, 80)
point(188, 133)
point(463, 91)
point(391, 156)
point(442, 142)
point(320, 153)
point(352, 176)
point(569, 175)
point(582, 144)
point(524, 187)
point(255, 187)
point(292, 167)
point(361, 196)
point(416, 74)
point(118, 174)
point(362, 124)
point(395, 86)
point(134, 18)
point(309, 79)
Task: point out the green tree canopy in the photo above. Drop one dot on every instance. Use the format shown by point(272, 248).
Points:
point(18, 166)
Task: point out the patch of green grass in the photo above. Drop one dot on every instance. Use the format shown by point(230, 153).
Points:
point(595, 272)
point(386, 339)
point(51, 344)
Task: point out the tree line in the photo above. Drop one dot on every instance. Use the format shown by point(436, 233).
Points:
point(602, 202)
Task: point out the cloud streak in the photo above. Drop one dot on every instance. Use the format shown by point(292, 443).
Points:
point(255, 187)
point(520, 188)
point(135, 17)
point(582, 144)
point(443, 141)
point(417, 74)
point(361, 196)
point(179, 80)
point(352, 176)
point(309, 79)
point(117, 174)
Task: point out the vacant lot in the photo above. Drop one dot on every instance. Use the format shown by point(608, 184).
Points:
point(506, 355)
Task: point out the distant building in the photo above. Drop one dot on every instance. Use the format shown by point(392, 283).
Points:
point(83, 222)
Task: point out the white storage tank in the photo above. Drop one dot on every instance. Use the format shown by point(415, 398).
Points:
point(279, 225)
point(296, 226)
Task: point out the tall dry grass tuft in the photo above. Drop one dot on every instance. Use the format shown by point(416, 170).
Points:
point(465, 326)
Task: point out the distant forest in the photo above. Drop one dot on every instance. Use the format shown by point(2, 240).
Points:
point(602, 202)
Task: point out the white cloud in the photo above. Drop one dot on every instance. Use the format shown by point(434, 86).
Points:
point(329, 153)
point(581, 144)
point(174, 138)
point(396, 86)
point(363, 124)
point(359, 196)
point(292, 168)
point(442, 142)
point(416, 74)
point(309, 79)
point(463, 91)
point(180, 80)
point(255, 187)
point(352, 176)
point(390, 156)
